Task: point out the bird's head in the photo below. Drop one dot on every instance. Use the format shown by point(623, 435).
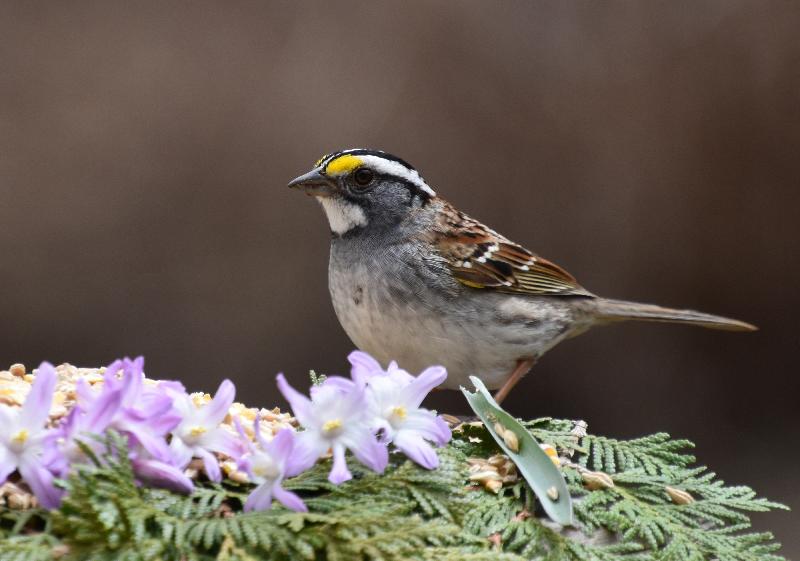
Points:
point(363, 189)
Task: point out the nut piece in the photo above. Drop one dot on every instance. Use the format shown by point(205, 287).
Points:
point(232, 471)
point(490, 479)
point(17, 370)
point(493, 472)
point(552, 492)
point(16, 497)
point(595, 480)
point(679, 496)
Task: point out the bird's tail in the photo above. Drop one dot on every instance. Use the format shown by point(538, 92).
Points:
point(620, 310)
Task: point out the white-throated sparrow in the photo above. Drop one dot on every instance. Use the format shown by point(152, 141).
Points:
point(415, 280)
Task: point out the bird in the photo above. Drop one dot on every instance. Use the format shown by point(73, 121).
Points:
point(415, 280)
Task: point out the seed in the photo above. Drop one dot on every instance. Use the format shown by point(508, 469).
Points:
point(679, 496)
point(498, 460)
point(552, 492)
point(499, 429)
point(594, 480)
point(493, 485)
point(483, 476)
point(451, 420)
point(511, 440)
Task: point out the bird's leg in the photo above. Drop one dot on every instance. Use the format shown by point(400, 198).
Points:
point(522, 368)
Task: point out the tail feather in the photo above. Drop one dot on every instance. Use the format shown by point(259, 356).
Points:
point(620, 310)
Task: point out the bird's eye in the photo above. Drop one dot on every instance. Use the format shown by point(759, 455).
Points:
point(363, 177)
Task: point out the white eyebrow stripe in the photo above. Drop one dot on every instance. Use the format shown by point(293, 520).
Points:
point(389, 167)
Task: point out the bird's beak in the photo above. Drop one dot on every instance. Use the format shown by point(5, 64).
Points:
point(314, 184)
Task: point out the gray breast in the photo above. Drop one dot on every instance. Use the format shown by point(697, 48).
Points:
point(398, 304)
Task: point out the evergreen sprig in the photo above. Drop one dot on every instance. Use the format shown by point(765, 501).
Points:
point(408, 513)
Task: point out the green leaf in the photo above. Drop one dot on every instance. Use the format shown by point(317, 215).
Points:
point(535, 466)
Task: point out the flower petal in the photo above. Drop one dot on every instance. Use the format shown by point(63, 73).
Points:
point(161, 423)
point(132, 382)
point(222, 441)
point(210, 464)
point(343, 385)
point(85, 395)
point(339, 472)
point(163, 475)
point(101, 411)
point(260, 498)
point(363, 367)
point(181, 454)
point(110, 377)
point(421, 386)
point(308, 447)
point(40, 480)
point(244, 439)
point(300, 404)
point(36, 408)
point(7, 464)
point(215, 411)
point(428, 425)
point(260, 440)
point(281, 445)
point(155, 445)
point(289, 499)
point(156, 408)
point(413, 446)
point(368, 450)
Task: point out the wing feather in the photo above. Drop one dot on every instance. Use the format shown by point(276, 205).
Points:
point(479, 257)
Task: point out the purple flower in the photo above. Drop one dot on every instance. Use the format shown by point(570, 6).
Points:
point(23, 438)
point(63, 449)
point(144, 414)
point(394, 399)
point(363, 367)
point(335, 418)
point(199, 434)
point(267, 464)
point(160, 474)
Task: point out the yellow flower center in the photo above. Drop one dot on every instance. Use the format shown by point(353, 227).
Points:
point(400, 412)
point(332, 425)
point(197, 431)
point(20, 437)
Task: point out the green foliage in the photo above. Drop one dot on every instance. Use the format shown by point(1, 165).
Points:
point(408, 513)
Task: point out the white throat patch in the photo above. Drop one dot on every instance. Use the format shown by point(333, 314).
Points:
point(342, 215)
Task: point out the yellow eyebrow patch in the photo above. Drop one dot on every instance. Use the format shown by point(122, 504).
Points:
point(322, 159)
point(343, 164)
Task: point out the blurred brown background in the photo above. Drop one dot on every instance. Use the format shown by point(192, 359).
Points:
point(651, 148)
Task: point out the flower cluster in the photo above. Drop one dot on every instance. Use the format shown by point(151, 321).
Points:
point(168, 429)
point(364, 414)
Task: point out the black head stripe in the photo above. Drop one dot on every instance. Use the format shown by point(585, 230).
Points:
point(362, 152)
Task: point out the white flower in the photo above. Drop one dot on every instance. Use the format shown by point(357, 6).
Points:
point(394, 397)
point(335, 418)
point(199, 433)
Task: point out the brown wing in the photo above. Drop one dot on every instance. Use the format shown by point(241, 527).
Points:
point(481, 258)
